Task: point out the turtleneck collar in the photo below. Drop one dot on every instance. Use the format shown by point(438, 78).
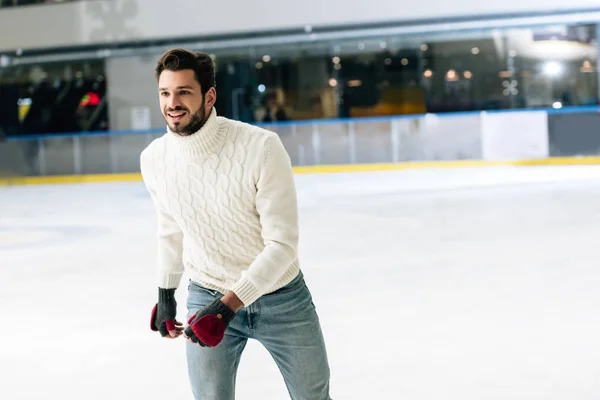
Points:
point(209, 139)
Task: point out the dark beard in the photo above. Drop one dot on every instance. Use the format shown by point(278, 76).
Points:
point(197, 121)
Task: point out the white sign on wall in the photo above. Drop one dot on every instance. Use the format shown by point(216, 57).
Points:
point(514, 135)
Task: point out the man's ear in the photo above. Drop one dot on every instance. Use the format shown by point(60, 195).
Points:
point(211, 98)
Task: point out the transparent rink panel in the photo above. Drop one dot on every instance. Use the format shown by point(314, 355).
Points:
point(434, 138)
point(334, 144)
point(451, 138)
point(127, 150)
point(373, 142)
point(57, 156)
point(95, 154)
point(19, 158)
point(410, 145)
point(299, 144)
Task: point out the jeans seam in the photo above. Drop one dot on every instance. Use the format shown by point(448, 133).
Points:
point(238, 356)
point(257, 314)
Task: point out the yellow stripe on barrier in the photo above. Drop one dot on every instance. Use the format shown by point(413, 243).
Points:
point(445, 164)
point(391, 166)
point(588, 160)
point(312, 169)
point(60, 179)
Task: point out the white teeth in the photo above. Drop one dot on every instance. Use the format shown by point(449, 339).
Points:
point(176, 115)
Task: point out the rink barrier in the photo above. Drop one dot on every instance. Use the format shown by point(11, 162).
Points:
point(446, 140)
point(319, 169)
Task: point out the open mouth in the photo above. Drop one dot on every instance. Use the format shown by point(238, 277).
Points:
point(176, 115)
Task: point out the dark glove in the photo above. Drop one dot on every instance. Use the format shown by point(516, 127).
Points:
point(164, 312)
point(207, 327)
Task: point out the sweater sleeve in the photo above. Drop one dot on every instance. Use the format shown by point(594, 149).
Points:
point(168, 234)
point(276, 204)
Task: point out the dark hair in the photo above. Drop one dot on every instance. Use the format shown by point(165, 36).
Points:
point(180, 59)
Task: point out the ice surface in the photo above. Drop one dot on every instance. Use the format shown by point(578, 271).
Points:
point(471, 284)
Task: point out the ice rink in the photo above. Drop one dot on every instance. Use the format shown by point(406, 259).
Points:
point(454, 284)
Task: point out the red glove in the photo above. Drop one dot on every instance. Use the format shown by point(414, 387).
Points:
point(208, 326)
point(163, 313)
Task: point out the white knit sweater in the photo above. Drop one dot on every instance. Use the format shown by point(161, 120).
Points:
point(227, 208)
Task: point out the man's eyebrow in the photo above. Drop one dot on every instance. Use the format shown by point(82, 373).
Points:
point(178, 87)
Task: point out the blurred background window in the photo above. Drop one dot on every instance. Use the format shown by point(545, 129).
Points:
point(542, 66)
point(53, 98)
point(464, 71)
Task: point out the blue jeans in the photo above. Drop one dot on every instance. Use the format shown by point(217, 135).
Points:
point(285, 322)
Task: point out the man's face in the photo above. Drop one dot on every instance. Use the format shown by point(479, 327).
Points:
point(184, 107)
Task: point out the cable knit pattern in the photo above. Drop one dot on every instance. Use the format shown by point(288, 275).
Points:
point(226, 206)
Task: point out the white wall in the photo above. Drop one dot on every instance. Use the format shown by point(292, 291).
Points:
point(131, 83)
point(97, 21)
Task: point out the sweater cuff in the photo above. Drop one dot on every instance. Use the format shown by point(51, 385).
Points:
point(170, 281)
point(245, 291)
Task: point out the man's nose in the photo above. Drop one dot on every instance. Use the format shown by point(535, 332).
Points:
point(173, 102)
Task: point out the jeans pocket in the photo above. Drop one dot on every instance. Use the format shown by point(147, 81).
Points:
point(196, 287)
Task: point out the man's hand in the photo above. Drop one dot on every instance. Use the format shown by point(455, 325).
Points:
point(171, 330)
point(163, 315)
point(207, 327)
point(232, 301)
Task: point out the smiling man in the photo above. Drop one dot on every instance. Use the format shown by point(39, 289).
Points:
point(225, 198)
point(179, 117)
